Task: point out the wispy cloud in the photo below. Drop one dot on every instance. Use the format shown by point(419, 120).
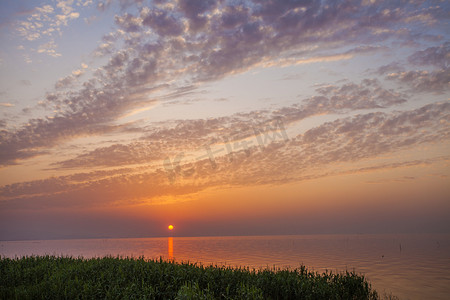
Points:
point(424, 81)
point(436, 56)
point(332, 99)
point(434, 80)
point(200, 41)
point(352, 139)
point(49, 48)
point(46, 22)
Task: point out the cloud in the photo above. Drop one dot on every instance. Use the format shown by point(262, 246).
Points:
point(49, 48)
point(164, 139)
point(296, 61)
point(352, 139)
point(45, 10)
point(437, 56)
point(390, 68)
point(28, 30)
point(161, 21)
point(44, 22)
point(201, 41)
point(127, 3)
point(361, 137)
point(367, 95)
point(100, 189)
point(234, 16)
point(129, 23)
point(369, 135)
point(27, 59)
point(64, 19)
point(84, 3)
point(104, 5)
point(231, 41)
point(347, 140)
point(120, 154)
point(195, 11)
point(39, 135)
point(70, 80)
point(435, 80)
point(77, 73)
point(67, 81)
point(424, 81)
point(6, 104)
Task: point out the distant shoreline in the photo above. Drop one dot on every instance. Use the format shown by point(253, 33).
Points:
point(226, 236)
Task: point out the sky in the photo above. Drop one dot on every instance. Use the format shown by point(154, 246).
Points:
point(223, 117)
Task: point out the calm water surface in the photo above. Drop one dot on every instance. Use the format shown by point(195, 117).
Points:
point(408, 266)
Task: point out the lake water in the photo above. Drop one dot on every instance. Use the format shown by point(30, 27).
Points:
point(408, 266)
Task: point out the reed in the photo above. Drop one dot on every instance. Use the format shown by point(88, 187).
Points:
point(50, 277)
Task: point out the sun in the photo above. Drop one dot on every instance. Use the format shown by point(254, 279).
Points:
point(170, 227)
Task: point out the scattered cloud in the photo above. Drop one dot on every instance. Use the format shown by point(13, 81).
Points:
point(162, 44)
point(27, 59)
point(6, 104)
point(435, 80)
point(436, 56)
point(331, 99)
point(424, 81)
point(85, 3)
point(390, 68)
point(103, 5)
point(364, 136)
point(49, 48)
point(45, 23)
point(120, 154)
point(164, 139)
point(65, 82)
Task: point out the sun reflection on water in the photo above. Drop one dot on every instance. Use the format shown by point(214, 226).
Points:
point(170, 247)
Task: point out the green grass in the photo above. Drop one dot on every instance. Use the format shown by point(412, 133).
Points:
point(50, 277)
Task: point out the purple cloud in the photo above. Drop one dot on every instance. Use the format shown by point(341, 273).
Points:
point(365, 136)
point(436, 56)
point(220, 38)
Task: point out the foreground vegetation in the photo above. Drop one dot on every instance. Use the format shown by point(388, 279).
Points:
point(52, 277)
